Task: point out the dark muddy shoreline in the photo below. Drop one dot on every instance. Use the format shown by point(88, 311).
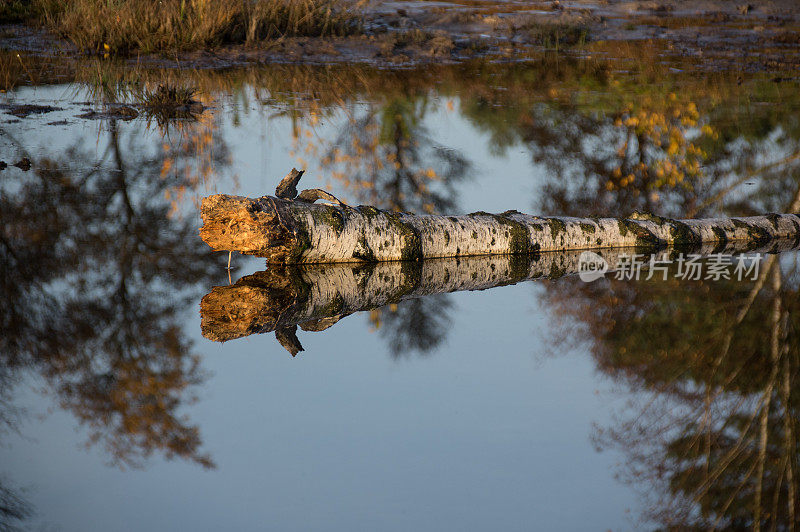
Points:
point(719, 35)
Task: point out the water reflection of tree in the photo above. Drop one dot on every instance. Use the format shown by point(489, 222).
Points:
point(100, 276)
point(418, 325)
point(711, 365)
point(386, 156)
point(646, 144)
point(713, 412)
point(641, 157)
point(14, 509)
point(709, 431)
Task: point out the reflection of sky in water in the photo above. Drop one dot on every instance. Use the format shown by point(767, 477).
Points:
point(260, 143)
point(489, 430)
point(483, 433)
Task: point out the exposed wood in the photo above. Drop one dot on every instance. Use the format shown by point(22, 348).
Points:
point(291, 231)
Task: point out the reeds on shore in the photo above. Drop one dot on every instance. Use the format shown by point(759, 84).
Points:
point(147, 26)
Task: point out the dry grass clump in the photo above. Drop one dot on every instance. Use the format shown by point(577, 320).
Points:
point(167, 103)
point(120, 26)
point(168, 96)
point(549, 34)
point(15, 11)
point(12, 70)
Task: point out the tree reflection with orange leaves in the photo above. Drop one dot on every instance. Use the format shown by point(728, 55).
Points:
point(710, 367)
point(385, 155)
point(99, 270)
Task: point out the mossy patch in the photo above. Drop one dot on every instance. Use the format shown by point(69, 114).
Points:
point(519, 240)
point(720, 234)
point(330, 216)
point(368, 211)
point(556, 226)
point(774, 219)
point(588, 228)
point(650, 217)
point(302, 243)
point(682, 234)
point(756, 235)
point(722, 239)
point(644, 237)
point(363, 251)
point(411, 247)
point(759, 235)
point(740, 224)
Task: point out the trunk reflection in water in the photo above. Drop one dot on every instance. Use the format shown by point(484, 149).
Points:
point(709, 429)
point(101, 278)
point(712, 422)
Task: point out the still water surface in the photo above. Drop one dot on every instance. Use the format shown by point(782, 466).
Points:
point(550, 404)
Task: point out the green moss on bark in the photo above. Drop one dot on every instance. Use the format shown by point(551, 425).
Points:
point(411, 247)
point(519, 239)
point(644, 237)
point(683, 235)
point(556, 226)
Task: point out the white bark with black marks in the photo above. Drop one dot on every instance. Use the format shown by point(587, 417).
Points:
point(293, 231)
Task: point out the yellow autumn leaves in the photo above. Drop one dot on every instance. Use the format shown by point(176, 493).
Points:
point(661, 146)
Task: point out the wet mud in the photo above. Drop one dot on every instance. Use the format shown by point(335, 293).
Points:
point(720, 35)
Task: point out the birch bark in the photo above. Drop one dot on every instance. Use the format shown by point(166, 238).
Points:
point(294, 231)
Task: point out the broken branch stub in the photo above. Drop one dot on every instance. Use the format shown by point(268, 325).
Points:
point(287, 188)
point(293, 231)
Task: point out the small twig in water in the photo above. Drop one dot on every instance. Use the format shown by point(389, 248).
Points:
point(33, 80)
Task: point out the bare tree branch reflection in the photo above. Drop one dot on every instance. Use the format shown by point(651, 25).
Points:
point(416, 325)
point(100, 273)
point(709, 429)
point(387, 157)
point(14, 509)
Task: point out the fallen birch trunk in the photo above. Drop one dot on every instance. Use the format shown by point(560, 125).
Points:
point(317, 296)
point(288, 230)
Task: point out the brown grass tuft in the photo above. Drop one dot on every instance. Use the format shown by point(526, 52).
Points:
point(549, 34)
point(168, 96)
point(120, 26)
